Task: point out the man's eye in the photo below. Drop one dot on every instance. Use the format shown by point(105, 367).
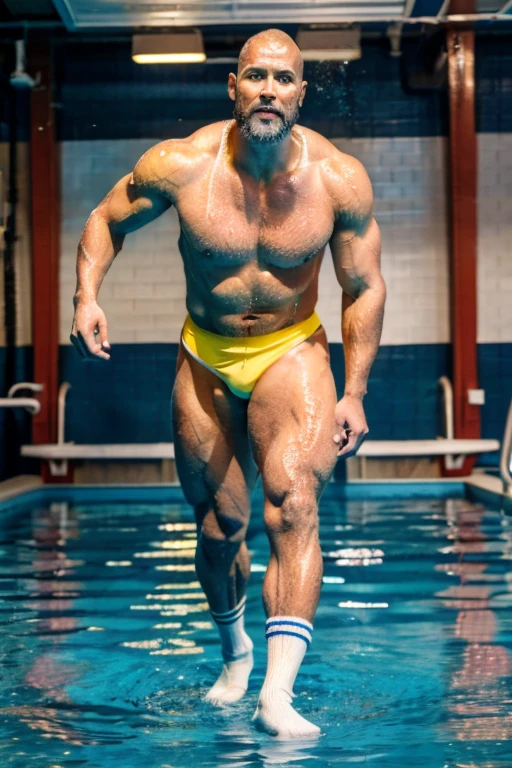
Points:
point(254, 76)
point(284, 79)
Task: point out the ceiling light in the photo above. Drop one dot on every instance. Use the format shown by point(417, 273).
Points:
point(176, 48)
point(330, 44)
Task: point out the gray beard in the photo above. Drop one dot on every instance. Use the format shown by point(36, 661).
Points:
point(263, 134)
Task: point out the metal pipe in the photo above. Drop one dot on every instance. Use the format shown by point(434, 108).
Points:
point(506, 455)
point(25, 385)
point(61, 413)
point(447, 389)
point(30, 403)
point(386, 18)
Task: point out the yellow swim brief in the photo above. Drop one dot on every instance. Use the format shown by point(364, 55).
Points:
point(240, 361)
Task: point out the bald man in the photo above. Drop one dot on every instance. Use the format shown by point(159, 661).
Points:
point(259, 199)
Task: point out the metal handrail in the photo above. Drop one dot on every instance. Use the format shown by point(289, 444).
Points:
point(32, 386)
point(30, 403)
point(450, 462)
point(446, 385)
point(506, 455)
point(61, 412)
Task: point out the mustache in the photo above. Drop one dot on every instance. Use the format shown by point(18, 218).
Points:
point(268, 108)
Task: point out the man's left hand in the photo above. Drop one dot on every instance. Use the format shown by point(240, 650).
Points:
point(352, 426)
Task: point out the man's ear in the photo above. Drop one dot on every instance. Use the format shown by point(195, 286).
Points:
point(302, 92)
point(232, 86)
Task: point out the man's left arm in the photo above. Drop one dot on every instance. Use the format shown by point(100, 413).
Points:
point(355, 247)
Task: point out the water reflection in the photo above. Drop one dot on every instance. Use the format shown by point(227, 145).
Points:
point(477, 700)
point(109, 647)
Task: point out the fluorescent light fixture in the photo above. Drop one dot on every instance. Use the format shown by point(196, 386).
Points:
point(330, 44)
point(175, 48)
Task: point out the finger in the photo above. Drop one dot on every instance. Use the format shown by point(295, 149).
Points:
point(92, 348)
point(341, 436)
point(353, 443)
point(102, 327)
point(95, 347)
point(104, 355)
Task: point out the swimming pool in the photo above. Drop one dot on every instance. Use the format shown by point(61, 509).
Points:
point(107, 646)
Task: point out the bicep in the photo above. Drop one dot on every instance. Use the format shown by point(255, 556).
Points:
point(356, 256)
point(128, 207)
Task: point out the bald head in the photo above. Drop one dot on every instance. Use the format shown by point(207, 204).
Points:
point(272, 42)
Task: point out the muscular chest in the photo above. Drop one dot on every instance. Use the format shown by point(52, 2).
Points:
point(234, 220)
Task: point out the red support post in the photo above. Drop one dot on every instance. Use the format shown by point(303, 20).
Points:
point(463, 176)
point(45, 184)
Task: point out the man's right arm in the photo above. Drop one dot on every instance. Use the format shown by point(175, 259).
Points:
point(134, 201)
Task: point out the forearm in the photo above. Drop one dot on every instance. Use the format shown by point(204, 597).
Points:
point(362, 319)
point(98, 247)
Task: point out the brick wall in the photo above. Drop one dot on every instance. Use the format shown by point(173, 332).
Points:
point(495, 237)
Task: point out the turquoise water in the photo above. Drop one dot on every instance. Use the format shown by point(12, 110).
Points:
point(107, 646)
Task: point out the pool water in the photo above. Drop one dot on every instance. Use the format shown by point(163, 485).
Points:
point(107, 647)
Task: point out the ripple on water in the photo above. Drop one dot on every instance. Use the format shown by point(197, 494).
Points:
point(108, 646)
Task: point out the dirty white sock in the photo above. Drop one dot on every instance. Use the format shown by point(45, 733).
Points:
point(288, 638)
point(237, 654)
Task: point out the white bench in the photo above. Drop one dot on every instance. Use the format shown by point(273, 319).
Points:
point(59, 454)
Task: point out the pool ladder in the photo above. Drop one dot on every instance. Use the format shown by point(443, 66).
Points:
point(31, 404)
point(506, 445)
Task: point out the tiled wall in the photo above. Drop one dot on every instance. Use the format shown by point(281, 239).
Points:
point(103, 94)
point(111, 111)
point(495, 237)
point(22, 247)
point(143, 295)
point(16, 364)
point(399, 137)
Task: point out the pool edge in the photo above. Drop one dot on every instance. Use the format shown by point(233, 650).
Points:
point(30, 490)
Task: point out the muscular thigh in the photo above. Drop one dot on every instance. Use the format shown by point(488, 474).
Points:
point(213, 455)
point(291, 421)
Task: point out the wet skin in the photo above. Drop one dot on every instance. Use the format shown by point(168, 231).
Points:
point(255, 221)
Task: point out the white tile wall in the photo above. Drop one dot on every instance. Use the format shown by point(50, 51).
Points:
point(495, 237)
point(23, 247)
point(143, 295)
point(410, 188)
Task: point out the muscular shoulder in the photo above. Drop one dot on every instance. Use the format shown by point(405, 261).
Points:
point(345, 178)
point(172, 163)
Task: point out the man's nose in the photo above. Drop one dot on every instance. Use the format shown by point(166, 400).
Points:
point(268, 90)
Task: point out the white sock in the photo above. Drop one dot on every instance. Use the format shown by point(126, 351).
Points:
point(288, 638)
point(237, 654)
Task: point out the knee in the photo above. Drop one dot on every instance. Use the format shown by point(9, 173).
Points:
point(220, 527)
point(298, 512)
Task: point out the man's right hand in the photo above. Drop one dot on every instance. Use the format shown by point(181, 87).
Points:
point(89, 331)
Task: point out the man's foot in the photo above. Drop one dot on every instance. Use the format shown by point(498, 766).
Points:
point(233, 680)
point(278, 718)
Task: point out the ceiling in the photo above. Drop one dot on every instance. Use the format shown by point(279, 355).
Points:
point(119, 14)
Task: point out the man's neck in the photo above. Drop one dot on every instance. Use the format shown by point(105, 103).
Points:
point(262, 161)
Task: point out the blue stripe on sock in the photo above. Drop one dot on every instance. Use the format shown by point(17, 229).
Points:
point(228, 614)
point(292, 634)
point(272, 623)
point(230, 619)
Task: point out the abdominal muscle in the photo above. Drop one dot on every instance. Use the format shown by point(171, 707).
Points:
point(254, 301)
